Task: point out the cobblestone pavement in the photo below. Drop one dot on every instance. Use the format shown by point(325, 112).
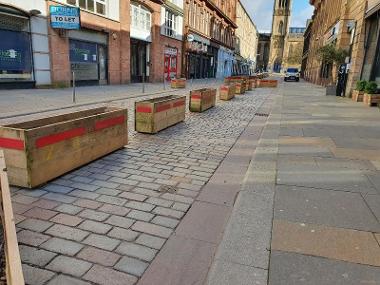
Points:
point(105, 222)
point(16, 102)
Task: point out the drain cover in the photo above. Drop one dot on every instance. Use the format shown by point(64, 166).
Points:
point(262, 115)
point(168, 189)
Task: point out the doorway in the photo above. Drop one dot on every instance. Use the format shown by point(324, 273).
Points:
point(139, 61)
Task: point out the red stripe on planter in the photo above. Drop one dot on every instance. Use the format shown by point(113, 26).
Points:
point(177, 104)
point(143, 109)
point(196, 97)
point(55, 138)
point(109, 122)
point(163, 108)
point(12, 143)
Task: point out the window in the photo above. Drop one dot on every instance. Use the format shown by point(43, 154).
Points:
point(95, 6)
point(281, 28)
point(141, 18)
point(172, 24)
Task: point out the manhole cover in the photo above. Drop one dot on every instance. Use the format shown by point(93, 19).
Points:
point(262, 115)
point(168, 189)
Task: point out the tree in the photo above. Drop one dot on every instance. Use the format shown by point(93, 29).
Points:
point(330, 54)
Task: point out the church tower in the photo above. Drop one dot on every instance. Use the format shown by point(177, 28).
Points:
point(280, 29)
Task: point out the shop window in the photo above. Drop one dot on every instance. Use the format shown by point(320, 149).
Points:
point(15, 51)
point(141, 18)
point(95, 6)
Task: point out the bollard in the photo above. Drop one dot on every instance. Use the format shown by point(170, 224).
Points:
point(143, 83)
point(164, 82)
point(74, 93)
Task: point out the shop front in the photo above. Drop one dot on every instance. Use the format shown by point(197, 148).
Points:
point(88, 59)
point(170, 63)
point(225, 62)
point(141, 38)
point(16, 59)
point(200, 61)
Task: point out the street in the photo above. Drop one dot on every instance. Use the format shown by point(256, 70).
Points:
point(277, 186)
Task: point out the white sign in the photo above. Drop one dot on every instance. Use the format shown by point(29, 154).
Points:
point(190, 38)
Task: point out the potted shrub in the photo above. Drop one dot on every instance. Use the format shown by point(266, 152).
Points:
point(358, 93)
point(371, 96)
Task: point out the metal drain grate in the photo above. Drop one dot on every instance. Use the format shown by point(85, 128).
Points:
point(262, 115)
point(168, 189)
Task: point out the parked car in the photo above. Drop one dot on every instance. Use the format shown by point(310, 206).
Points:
point(292, 74)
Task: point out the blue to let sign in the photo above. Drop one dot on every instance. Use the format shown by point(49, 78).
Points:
point(67, 18)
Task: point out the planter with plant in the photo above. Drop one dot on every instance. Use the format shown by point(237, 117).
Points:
point(371, 96)
point(358, 93)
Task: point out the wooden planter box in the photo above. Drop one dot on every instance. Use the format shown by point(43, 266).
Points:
point(251, 83)
point(267, 83)
point(13, 269)
point(241, 83)
point(357, 96)
point(240, 87)
point(202, 99)
point(39, 150)
point(157, 114)
point(178, 83)
point(371, 99)
point(227, 92)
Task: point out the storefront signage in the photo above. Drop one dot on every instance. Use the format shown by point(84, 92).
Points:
point(190, 38)
point(197, 47)
point(15, 53)
point(67, 18)
point(171, 51)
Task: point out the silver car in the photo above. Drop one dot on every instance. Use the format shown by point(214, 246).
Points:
point(292, 74)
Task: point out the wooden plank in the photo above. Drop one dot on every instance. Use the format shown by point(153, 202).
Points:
point(50, 150)
point(12, 254)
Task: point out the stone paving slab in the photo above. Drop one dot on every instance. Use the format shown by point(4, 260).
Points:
point(334, 243)
point(113, 216)
point(297, 269)
point(324, 207)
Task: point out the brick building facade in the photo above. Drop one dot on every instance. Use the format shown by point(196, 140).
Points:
point(209, 31)
point(123, 41)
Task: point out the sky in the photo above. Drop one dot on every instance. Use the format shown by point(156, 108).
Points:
point(261, 12)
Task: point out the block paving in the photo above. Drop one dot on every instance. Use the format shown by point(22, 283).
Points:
point(105, 222)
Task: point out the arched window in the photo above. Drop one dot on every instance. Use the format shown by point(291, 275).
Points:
point(281, 28)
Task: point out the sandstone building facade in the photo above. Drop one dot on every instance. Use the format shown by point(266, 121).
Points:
point(246, 44)
point(342, 24)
